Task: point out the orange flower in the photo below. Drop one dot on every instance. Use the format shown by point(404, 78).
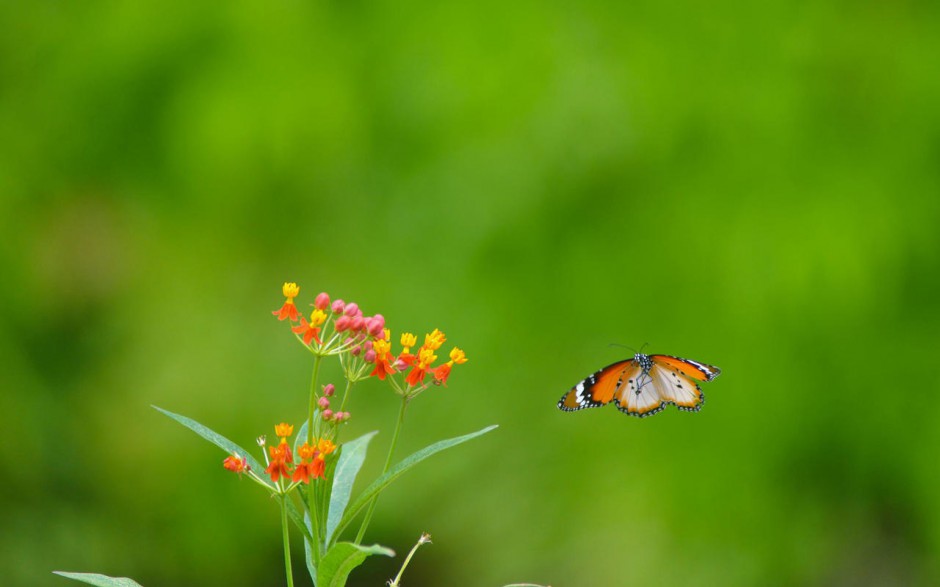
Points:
point(314, 461)
point(288, 310)
point(443, 372)
point(283, 431)
point(426, 356)
point(235, 463)
point(311, 330)
point(383, 367)
point(281, 458)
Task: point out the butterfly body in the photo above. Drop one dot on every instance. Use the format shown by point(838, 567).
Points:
point(642, 386)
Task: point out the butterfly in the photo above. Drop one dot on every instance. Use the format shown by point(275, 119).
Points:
point(642, 386)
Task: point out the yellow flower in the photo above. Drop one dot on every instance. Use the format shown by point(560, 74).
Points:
point(434, 340)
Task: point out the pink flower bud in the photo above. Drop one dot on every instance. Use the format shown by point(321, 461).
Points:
point(369, 356)
point(328, 415)
point(351, 309)
point(342, 416)
point(329, 389)
point(323, 402)
point(356, 323)
point(322, 301)
point(338, 306)
point(341, 324)
point(368, 345)
point(376, 326)
point(400, 365)
point(356, 350)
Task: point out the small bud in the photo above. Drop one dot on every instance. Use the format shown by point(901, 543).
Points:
point(329, 389)
point(345, 416)
point(323, 402)
point(351, 309)
point(327, 415)
point(369, 357)
point(338, 306)
point(368, 345)
point(356, 323)
point(322, 301)
point(356, 350)
point(376, 325)
point(341, 324)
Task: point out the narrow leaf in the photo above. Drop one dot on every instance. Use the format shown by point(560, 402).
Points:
point(347, 468)
point(385, 480)
point(342, 559)
point(215, 438)
point(100, 580)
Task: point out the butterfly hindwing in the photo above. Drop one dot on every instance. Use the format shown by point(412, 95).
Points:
point(640, 396)
point(675, 388)
point(598, 388)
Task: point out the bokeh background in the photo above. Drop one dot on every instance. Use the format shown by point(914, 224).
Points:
point(753, 185)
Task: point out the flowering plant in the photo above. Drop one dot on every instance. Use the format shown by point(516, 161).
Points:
point(312, 477)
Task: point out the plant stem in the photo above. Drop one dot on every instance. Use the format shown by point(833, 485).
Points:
point(313, 398)
point(423, 540)
point(287, 568)
point(388, 463)
point(311, 491)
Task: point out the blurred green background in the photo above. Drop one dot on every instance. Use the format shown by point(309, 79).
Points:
point(753, 185)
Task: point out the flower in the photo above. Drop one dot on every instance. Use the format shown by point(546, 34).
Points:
point(381, 348)
point(313, 460)
point(434, 340)
point(288, 310)
point(281, 459)
point(283, 430)
point(426, 356)
point(311, 330)
point(235, 463)
point(443, 372)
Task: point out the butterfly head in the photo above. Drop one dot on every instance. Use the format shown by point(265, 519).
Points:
point(643, 361)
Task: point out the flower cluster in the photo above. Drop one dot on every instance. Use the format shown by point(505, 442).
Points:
point(418, 364)
point(280, 461)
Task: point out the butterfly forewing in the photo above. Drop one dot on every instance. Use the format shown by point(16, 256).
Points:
point(597, 389)
point(688, 367)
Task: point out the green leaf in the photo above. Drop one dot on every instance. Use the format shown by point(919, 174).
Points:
point(342, 559)
point(215, 438)
point(385, 480)
point(347, 468)
point(100, 580)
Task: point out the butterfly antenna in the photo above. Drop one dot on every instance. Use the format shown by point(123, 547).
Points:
point(629, 348)
point(645, 344)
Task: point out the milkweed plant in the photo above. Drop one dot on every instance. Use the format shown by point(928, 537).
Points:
point(311, 473)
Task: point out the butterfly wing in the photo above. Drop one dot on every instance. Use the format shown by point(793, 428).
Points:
point(687, 367)
point(599, 388)
point(675, 388)
point(642, 395)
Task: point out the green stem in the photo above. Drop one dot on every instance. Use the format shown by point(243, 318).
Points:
point(388, 463)
point(423, 540)
point(313, 398)
point(287, 568)
point(311, 491)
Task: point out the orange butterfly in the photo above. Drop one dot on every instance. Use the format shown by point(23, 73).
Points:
point(643, 386)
